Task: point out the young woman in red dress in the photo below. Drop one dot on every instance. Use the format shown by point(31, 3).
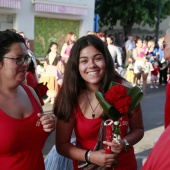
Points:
point(89, 69)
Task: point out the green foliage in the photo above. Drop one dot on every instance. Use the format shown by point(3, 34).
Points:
point(130, 12)
point(135, 93)
point(51, 29)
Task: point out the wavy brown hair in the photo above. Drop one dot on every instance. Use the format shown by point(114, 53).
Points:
point(73, 84)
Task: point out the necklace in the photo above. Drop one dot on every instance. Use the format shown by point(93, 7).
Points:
point(93, 113)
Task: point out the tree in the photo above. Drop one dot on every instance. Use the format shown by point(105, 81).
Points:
point(129, 12)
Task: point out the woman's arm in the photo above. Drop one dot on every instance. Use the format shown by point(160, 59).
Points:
point(47, 120)
point(135, 123)
point(136, 126)
point(64, 47)
point(64, 147)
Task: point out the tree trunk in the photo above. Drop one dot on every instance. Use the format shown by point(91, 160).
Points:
point(128, 29)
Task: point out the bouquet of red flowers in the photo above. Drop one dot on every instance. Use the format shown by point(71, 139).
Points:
point(116, 102)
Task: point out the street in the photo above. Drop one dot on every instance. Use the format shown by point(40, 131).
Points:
point(153, 118)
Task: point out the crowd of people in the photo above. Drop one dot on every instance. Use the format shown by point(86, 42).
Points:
point(140, 57)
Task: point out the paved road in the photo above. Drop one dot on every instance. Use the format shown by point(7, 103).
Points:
point(152, 107)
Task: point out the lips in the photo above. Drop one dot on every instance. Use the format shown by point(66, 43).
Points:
point(93, 73)
point(23, 71)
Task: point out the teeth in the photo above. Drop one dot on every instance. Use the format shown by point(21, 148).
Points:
point(92, 73)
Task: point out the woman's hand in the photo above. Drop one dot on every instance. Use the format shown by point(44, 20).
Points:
point(116, 148)
point(102, 159)
point(47, 121)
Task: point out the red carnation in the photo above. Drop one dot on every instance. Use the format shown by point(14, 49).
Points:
point(119, 98)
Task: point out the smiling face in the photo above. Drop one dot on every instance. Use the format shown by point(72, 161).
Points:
point(10, 72)
point(91, 65)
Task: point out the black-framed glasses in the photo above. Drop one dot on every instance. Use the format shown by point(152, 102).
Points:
point(164, 44)
point(20, 60)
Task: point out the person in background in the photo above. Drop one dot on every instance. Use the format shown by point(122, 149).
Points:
point(30, 54)
point(152, 53)
point(129, 46)
point(163, 64)
point(67, 46)
point(154, 75)
point(158, 157)
point(140, 65)
point(24, 127)
point(31, 79)
point(90, 68)
point(145, 46)
point(101, 35)
point(90, 33)
point(120, 41)
point(54, 70)
point(115, 51)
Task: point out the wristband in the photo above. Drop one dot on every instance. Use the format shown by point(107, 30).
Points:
point(87, 156)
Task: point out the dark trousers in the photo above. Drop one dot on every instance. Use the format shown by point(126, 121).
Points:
point(163, 76)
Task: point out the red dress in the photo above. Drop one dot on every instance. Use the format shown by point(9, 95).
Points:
point(158, 159)
point(87, 130)
point(21, 140)
point(167, 103)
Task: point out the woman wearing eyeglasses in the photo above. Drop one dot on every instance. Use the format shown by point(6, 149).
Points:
point(23, 127)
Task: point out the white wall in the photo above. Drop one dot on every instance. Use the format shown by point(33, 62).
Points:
point(23, 19)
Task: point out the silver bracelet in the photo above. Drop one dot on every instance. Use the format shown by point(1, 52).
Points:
point(88, 155)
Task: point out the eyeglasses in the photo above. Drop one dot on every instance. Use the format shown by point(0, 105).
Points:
point(20, 60)
point(164, 44)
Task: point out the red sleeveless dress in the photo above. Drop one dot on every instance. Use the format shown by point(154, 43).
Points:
point(21, 140)
point(167, 108)
point(86, 132)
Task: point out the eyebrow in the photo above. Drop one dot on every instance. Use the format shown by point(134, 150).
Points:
point(93, 55)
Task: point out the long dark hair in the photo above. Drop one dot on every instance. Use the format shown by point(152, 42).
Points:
point(7, 38)
point(73, 84)
point(57, 58)
point(49, 48)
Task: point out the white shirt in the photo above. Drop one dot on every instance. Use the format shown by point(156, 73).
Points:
point(115, 53)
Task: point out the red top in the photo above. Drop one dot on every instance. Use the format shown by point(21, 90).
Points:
point(87, 130)
point(155, 71)
point(158, 159)
point(31, 81)
point(21, 140)
point(167, 107)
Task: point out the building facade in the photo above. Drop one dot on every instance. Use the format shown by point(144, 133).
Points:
point(44, 21)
